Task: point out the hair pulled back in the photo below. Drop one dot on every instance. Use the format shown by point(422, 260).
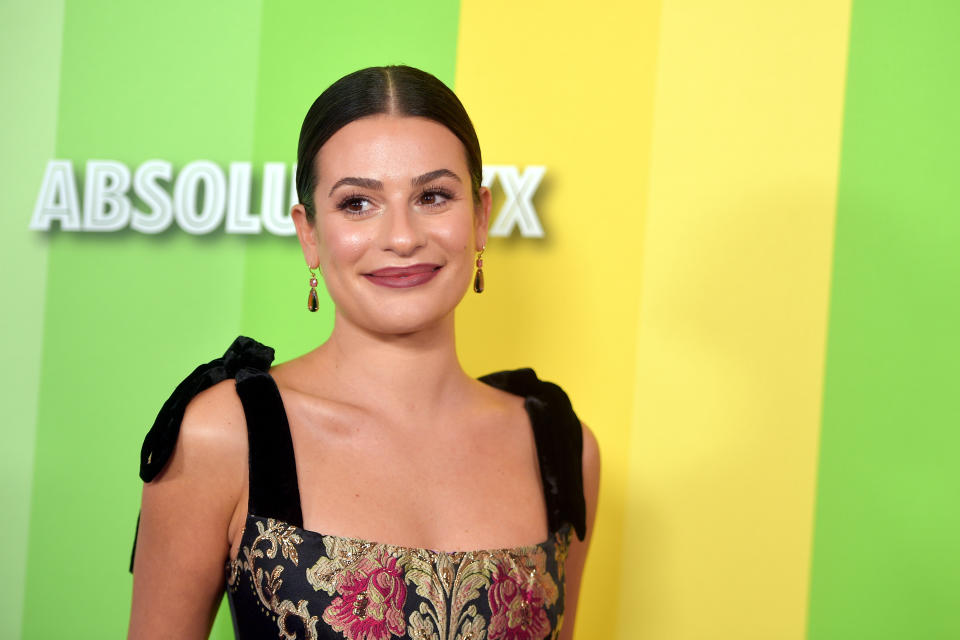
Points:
point(395, 90)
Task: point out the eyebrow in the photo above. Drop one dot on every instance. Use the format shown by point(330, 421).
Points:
point(433, 175)
point(376, 185)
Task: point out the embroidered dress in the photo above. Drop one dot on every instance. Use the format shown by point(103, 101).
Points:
point(292, 583)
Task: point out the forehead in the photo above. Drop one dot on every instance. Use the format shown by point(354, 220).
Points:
point(386, 146)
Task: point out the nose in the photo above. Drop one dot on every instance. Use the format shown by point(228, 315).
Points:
point(401, 231)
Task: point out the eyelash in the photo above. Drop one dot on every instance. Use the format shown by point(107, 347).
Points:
point(439, 191)
point(345, 202)
point(348, 199)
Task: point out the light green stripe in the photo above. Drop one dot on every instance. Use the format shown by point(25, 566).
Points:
point(886, 558)
point(128, 315)
point(30, 79)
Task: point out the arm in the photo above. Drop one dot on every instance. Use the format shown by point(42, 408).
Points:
point(578, 549)
point(186, 513)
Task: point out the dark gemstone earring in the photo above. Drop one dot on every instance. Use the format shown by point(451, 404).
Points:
point(313, 301)
point(478, 279)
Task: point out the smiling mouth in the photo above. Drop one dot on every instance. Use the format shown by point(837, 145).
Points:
point(403, 277)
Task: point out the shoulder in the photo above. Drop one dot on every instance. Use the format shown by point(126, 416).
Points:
point(549, 407)
point(591, 466)
point(220, 400)
point(591, 449)
point(567, 450)
point(207, 394)
point(540, 393)
point(212, 436)
point(215, 416)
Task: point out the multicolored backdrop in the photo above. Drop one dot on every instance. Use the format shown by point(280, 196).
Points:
point(747, 280)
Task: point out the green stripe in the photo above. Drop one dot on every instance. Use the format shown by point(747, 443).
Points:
point(305, 46)
point(886, 561)
point(30, 78)
point(128, 315)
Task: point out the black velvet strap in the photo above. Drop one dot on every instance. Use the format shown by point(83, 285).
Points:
point(274, 491)
point(158, 445)
point(559, 438)
point(160, 441)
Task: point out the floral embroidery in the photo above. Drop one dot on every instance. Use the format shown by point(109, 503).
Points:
point(341, 554)
point(370, 606)
point(518, 597)
point(374, 591)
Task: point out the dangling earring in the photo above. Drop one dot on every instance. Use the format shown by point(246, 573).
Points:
point(478, 279)
point(313, 301)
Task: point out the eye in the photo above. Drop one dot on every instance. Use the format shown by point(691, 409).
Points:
point(355, 205)
point(435, 197)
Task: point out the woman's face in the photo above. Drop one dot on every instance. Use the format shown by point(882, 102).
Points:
point(396, 228)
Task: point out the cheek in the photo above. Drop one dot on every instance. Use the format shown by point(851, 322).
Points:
point(343, 244)
point(456, 238)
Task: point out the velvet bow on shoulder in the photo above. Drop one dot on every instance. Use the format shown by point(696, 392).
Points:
point(158, 445)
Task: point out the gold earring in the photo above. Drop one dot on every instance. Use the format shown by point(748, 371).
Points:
point(313, 300)
point(478, 279)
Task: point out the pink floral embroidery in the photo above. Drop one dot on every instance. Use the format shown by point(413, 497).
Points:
point(370, 606)
point(517, 604)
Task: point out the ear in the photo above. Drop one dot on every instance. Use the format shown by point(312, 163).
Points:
point(482, 217)
point(307, 234)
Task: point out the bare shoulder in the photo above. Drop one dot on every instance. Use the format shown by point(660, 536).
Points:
point(591, 474)
point(591, 455)
point(212, 435)
point(216, 411)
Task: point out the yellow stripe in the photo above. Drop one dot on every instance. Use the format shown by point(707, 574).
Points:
point(732, 329)
point(569, 87)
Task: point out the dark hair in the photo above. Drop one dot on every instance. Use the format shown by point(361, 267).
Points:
point(396, 90)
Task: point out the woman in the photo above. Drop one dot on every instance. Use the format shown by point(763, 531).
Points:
point(370, 488)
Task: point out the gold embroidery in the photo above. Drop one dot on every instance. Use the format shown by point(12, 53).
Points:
point(556, 630)
point(266, 585)
point(368, 582)
point(448, 583)
point(287, 609)
point(421, 625)
point(341, 554)
point(360, 606)
point(474, 628)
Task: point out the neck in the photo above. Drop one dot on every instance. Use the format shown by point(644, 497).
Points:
point(407, 373)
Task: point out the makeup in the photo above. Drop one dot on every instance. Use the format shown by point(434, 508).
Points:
point(403, 277)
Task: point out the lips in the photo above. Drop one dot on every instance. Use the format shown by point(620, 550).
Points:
point(403, 277)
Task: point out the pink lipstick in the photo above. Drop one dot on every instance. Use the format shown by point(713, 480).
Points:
point(403, 277)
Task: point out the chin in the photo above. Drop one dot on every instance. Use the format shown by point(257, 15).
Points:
point(399, 312)
point(406, 317)
point(412, 320)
